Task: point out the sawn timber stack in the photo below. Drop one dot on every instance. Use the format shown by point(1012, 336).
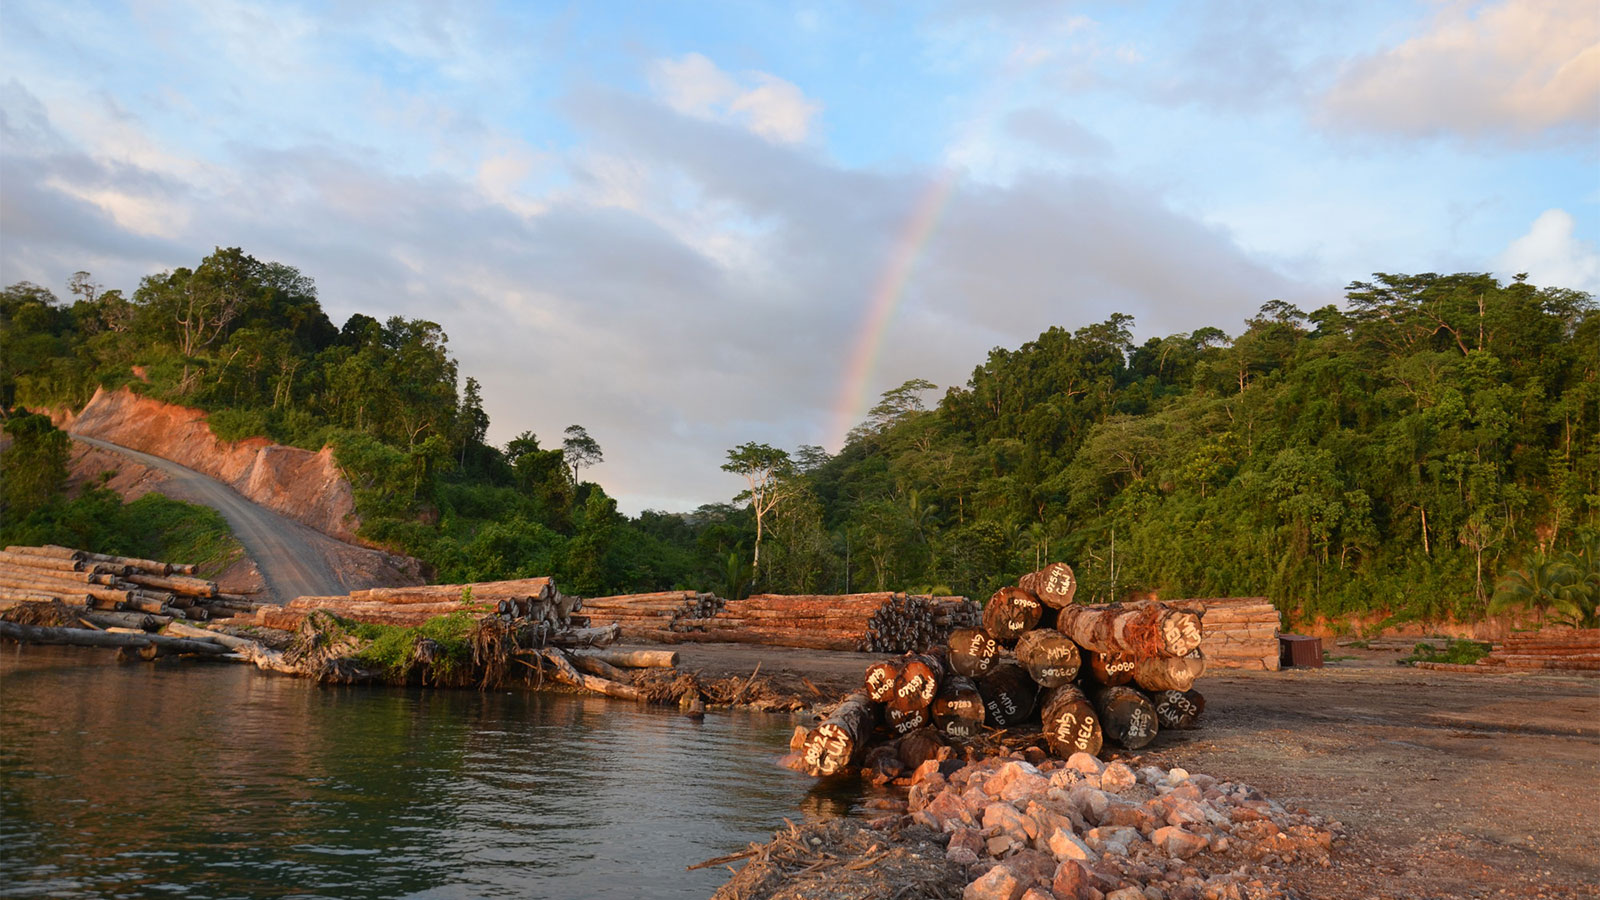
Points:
point(883, 622)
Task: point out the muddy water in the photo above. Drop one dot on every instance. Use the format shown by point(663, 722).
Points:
point(208, 780)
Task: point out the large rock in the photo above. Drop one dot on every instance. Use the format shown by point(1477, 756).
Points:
point(1177, 842)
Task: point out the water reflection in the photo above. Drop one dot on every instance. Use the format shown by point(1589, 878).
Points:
point(201, 780)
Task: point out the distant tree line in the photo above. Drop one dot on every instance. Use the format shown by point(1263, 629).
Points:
point(1402, 451)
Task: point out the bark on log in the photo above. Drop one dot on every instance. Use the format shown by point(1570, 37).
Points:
point(1009, 695)
point(595, 666)
point(83, 637)
point(1165, 673)
point(1127, 716)
point(49, 551)
point(1070, 723)
point(48, 563)
point(232, 642)
point(21, 595)
point(140, 621)
point(918, 747)
point(1054, 585)
point(918, 683)
point(1109, 668)
point(973, 653)
point(906, 721)
point(189, 587)
point(880, 678)
point(1050, 657)
point(1009, 613)
point(958, 710)
point(566, 672)
point(1179, 709)
point(1148, 629)
point(841, 739)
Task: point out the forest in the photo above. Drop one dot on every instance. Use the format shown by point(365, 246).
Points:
point(1399, 453)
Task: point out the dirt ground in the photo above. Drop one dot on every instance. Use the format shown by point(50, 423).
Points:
point(1449, 785)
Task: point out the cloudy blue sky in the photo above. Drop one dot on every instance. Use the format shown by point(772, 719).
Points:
point(668, 222)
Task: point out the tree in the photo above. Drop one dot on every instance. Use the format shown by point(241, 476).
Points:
point(33, 470)
point(581, 450)
point(764, 469)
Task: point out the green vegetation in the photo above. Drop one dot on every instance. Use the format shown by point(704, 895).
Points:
point(35, 508)
point(1398, 453)
point(1461, 653)
point(1563, 589)
point(393, 649)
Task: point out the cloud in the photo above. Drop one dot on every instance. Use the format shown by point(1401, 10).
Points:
point(766, 104)
point(1518, 70)
point(1056, 133)
point(676, 280)
point(1552, 255)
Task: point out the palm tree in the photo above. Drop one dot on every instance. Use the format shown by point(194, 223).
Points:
point(1564, 589)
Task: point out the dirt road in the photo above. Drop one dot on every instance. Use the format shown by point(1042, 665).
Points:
point(292, 557)
point(1450, 785)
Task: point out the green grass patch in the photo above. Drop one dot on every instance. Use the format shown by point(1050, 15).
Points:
point(393, 647)
point(1460, 652)
point(151, 527)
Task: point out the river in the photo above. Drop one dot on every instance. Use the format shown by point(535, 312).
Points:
point(201, 780)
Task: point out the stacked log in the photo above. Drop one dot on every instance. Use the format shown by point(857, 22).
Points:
point(643, 617)
point(1240, 632)
point(108, 583)
point(879, 622)
point(1570, 649)
point(1080, 677)
point(534, 604)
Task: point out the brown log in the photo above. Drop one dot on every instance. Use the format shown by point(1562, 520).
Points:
point(919, 746)
point(541, 588)
point(1179, 709)
point(1144, 629)
point(841, 740)
point(49, 563)
point(1009, 695)
point(83, 637)
point(63, 589)
point(880, 678)
point(1070, 723)
point(958, 710)
point(1109, 668)
point(1054, 585)
point(1050, 657)
point(135, 620)
point(1009, 613)
point(48, 551)
point(150, 566)
point(1166, 673)
point(566, 672)
point(20, 595)
point(917, 683)
point(973, 653)
point(595, 666)
point(189, 587)
point(1127, 716)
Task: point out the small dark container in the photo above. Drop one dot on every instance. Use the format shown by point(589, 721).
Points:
point(1300, 650)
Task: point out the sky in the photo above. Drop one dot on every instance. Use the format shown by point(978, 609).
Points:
point(689, 226)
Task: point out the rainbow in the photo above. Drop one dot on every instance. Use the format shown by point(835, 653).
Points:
point(887, 293)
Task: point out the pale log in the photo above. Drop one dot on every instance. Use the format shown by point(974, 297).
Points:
point(1054, 585)
point(1146, 629)
point(841, 739)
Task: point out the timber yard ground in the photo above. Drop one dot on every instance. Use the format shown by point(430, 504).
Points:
point(1448, 784)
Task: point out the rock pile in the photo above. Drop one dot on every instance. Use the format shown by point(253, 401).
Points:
point(1082, 828)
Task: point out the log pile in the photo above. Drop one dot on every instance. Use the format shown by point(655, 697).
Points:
point(533, 600)
point(97, 581)
point(1570, 649)
point(880, 622)
point(1080, 677)
point(1241, 632)
point(644, 617)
